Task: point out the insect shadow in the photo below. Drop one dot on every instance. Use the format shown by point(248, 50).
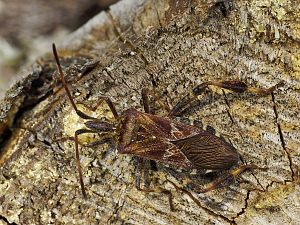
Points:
point(164, 139)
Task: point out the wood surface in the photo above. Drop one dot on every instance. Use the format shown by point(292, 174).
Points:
point(170, 47)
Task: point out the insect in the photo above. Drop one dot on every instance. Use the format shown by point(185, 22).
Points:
point(164, 139)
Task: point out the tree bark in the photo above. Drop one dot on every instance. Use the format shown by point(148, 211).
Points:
point(170, 47)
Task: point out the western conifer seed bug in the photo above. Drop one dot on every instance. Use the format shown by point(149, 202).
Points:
point(163, 139)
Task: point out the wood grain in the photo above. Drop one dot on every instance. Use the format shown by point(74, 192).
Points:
point(170, 47)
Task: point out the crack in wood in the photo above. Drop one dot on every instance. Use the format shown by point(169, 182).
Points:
point(229, 114)
point(243, 210)
point(282, 140)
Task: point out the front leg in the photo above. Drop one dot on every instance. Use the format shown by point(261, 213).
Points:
point(77, 133)
point(146, 93)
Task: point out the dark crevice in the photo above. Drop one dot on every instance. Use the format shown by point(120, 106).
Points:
point(257, 180)
point(288, 155)
point(47, 143)
point(4, 138)
point(109, 74)
point(218, 11)
point(228, 106)
point(278, 125)
point(27, 106)
point(282, 138)
point(228, 112)
point(37, 87)
point(6, 220)
point(34, 94)
point(224, 7)
point(245, 206)
point(87, 68)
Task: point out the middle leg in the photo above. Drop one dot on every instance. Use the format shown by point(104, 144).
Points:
point(157, 189)
point(233, 85)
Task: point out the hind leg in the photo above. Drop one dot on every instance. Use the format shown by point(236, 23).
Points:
point(223, 181)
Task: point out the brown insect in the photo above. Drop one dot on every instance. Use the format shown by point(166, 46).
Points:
point(163, 139)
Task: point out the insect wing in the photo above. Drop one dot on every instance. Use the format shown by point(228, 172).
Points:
point(158, 150)
point(165, 128)
point(206, 151)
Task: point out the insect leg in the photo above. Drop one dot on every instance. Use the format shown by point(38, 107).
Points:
point(77, 133)
point(142, 173)
point(236, 86)
point(233, 85)
point(145, 96)
point(161, 191)
point(104, 139)
point(218, 183)
point(107, 101)
point(62, 77)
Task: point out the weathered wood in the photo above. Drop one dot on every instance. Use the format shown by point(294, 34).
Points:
point(169, 46)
